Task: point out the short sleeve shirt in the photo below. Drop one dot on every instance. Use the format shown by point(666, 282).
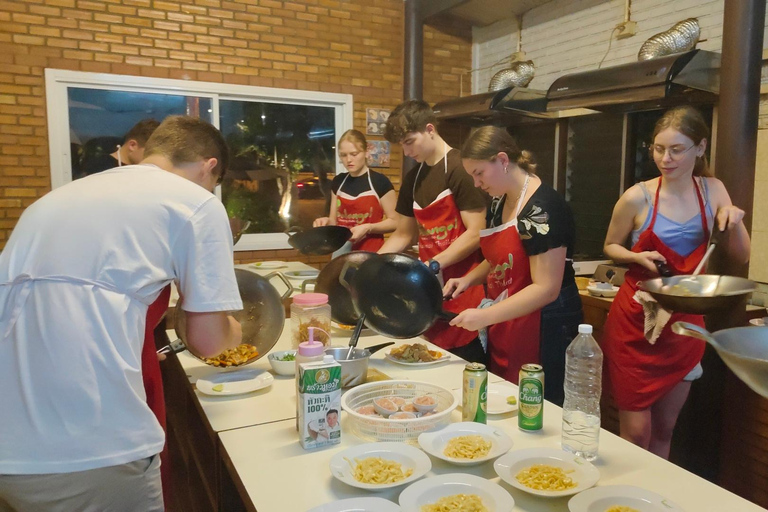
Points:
point(431, 182)
point(545, 222)
point(354, 186)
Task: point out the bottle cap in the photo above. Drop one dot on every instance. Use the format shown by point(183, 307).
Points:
point(585, 329)
point(310, 299)
point(328, 359)
point(311, 348)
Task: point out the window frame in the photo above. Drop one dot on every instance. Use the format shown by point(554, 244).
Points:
point(58, 81)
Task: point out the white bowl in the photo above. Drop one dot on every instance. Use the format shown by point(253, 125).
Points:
point(599, 291)
point(434, 443)
point(602, 498)
point(426, 492)
point(422, 408)
point(407, 456)
point(282, 367)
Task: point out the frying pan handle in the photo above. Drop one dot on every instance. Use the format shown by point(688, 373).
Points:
point(446, 315)
point(378, 347)
point(285, 281)
point(688, 329)
point(347, 273)
point(307, 282)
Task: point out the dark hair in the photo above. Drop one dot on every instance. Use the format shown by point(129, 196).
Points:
point(409, 116)
point(142, 131)
point(184, 140)
point(486, 142)
point(332, 411)
point(688, 121)
point(355, 137)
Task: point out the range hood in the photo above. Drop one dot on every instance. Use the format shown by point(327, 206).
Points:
point(690, 77)
point(502, 105)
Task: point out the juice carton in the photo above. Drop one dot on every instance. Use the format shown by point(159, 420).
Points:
point(319, 401)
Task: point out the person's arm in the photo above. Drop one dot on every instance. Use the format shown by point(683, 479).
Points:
point(478, 275)
point(330, 220)
point(738, 244)
point(403, 237)
point(387, 225)
point(622, 222)
point(210, 334)
point(468, 242)
point(547, 276)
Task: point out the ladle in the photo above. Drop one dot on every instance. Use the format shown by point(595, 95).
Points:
point(743, 349)
point(692, 284)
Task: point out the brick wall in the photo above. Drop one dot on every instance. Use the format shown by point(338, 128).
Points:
point(566, 36)
point(353, 47)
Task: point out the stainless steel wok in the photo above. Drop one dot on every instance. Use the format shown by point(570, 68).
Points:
point(718, 292)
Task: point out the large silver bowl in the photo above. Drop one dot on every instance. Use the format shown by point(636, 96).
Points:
point(717, 293)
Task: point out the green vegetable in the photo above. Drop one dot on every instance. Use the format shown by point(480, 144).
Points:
point(218, 387)
point(287, 357)
point(511, 400)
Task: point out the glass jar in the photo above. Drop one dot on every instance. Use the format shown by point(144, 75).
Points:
point(310, 310)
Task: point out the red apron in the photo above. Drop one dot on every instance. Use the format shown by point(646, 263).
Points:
point(153, 379)
point(515, 342)
point(640, 373)
point(363, 209)
point(440, 225)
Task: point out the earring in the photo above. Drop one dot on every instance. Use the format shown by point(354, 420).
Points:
point(505, 169)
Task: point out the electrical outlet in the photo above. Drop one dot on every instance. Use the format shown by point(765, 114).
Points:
point(518, 56)
point(626, 29)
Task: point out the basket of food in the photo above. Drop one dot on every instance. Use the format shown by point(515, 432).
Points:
point(397, 410)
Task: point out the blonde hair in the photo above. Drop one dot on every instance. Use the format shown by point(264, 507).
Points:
point(688, 121)
point(355, 137)
point(486, 142)
point(184, 140)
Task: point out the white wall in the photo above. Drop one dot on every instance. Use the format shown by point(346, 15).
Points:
point(567, 36)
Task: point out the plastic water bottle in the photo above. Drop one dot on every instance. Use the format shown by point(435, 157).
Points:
point(583, 385)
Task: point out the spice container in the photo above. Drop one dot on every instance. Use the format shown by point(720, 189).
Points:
point(310, 310)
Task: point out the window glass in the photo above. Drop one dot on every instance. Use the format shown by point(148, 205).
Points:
point(282, 163)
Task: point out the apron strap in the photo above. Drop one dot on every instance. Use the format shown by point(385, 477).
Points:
point(702, 208)
point(370, 184)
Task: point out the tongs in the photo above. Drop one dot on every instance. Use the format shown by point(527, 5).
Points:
point(691, 285)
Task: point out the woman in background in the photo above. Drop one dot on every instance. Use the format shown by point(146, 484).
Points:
point(669, 219)
point(362, 200)
point(528, 248)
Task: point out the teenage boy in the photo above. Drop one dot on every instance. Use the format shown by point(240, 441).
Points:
point(439, 204)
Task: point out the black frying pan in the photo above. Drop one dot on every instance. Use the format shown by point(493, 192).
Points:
point(399, 295)
point(342, 309)
point(319, 241)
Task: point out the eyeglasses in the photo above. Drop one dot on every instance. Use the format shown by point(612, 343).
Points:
point(675, 152)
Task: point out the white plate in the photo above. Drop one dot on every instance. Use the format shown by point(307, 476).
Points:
point(235, 383)
point(497, 397)
point(603, 292)
point(358, 505)
point(429, 490)
point(408, 456)
point(301, 275)
point(600, 499)
point(268, 265)
point(445, 357)
point(584, 474)
point(759, 322)
point(434, 443)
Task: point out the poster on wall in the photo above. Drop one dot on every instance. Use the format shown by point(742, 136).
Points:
point(378, 153)
point(375, 121)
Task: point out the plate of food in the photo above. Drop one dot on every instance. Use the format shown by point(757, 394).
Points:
point(268, 265)
point(502, 398)
point(546, 472)
point(417, 354)
point(466, 443)
point(367, 504)
point(379, 466)
point(301, 275)
point(620, 498)
point(235, 383)
point(455, 491)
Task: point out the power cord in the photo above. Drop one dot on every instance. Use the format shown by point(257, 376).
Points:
point(610, 41)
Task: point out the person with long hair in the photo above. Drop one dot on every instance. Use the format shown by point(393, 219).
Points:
point(527, 249)
point(669, 220)
point(362, 200)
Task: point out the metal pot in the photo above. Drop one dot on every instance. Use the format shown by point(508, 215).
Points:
point(354, 368)
point(262, 317)
point(718, 292)
point(743, 349)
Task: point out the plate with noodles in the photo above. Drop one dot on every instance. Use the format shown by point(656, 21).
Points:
point(367, 504)
point(466, 443)
point(546, 472)
point(417, 354)
point(620, 498)
point(455, 492)
point(379, 466)
point(235, 382)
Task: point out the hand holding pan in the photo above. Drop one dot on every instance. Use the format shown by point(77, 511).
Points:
point(319, 241)
point(399, 296)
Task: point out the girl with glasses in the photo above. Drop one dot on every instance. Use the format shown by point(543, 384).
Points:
point(669, 220)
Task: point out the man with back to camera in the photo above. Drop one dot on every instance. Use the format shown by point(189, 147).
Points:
point(439, 203)
point(130, 152)
point(76, 278)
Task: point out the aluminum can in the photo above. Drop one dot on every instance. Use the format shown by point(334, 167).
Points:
point(474, 396)
point(530, 416)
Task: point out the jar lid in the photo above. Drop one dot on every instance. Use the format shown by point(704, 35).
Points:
point(310, 299)
point(311, 348)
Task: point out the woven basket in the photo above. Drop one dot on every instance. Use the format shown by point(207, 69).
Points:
point(382, 429)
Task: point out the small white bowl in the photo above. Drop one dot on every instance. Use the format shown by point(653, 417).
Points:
point(380, 405)
point(282, 367)
point(422, 408)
